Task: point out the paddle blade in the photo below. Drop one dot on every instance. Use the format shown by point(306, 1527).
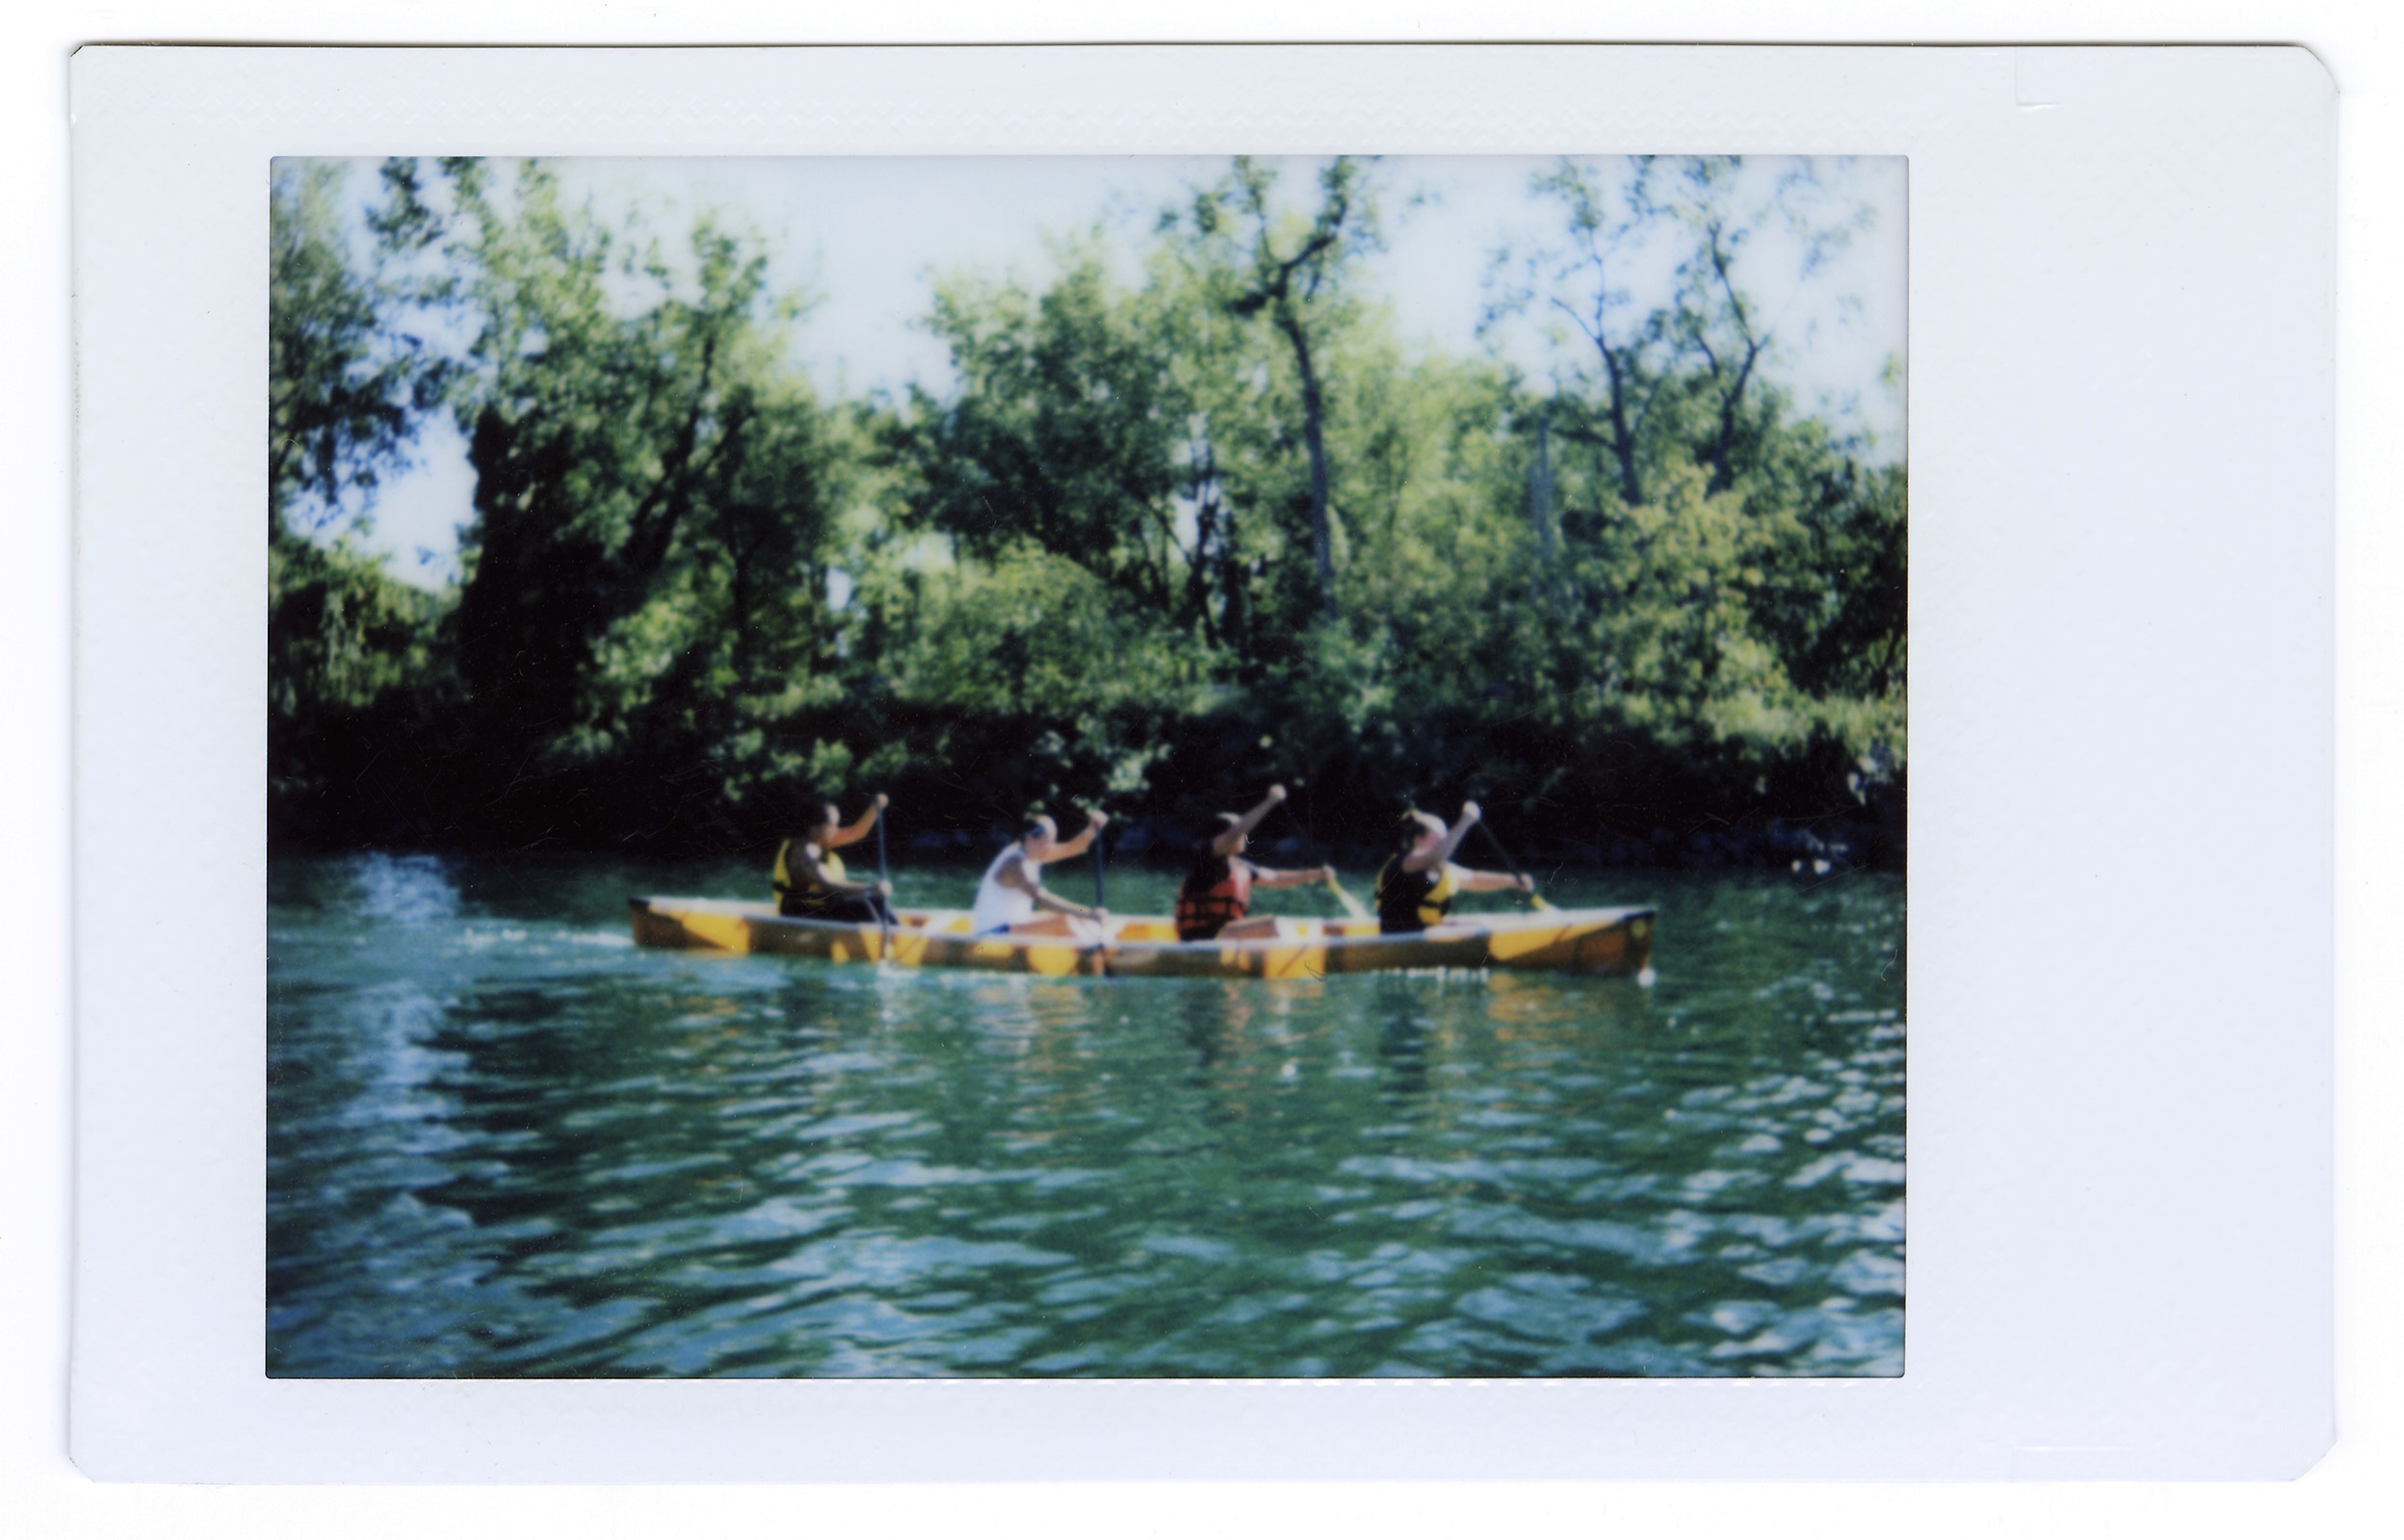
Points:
point(1351, 905)
point(1540, 900)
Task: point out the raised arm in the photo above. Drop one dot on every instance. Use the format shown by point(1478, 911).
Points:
point(857, 830)
point(1227, 841)
point(1068, 849)
point(1442, 851)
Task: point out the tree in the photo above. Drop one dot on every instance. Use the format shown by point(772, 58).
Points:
point(1200, 520)
point(1234, 381)
point(348, 382)
point(589, 423)
point(652, 479)
point(1722, 214)
point(1065, 430)
point(1294, 273)
point(1729, 605)
point(1608, 215)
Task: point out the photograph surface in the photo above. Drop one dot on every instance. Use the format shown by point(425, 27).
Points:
point(1086, 767)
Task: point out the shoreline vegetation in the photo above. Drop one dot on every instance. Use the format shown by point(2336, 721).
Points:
point(1174, 530)
point(1164, 842)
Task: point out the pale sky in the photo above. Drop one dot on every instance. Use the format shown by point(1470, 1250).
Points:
point(866, 235)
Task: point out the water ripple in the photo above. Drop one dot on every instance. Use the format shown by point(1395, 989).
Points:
point(503, 1141)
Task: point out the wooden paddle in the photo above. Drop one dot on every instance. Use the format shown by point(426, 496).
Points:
point(884, 898)
point(1351, 905)
point(1102, 930)
point(1535, 898)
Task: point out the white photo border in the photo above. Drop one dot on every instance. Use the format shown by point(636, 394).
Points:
point(2121, 393)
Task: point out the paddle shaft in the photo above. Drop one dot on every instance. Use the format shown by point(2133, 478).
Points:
point(1496, 841)
point(1097, 871)
point(885, 900)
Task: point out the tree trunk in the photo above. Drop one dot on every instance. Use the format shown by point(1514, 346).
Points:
point(1724, 449)
point(1314, 440)
point(1198, 571)
point(1623, 434)
point(1723, 452)
point(1540, 491)
point(1233, 623)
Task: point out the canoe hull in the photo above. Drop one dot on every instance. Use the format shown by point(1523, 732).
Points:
point(1609, 942)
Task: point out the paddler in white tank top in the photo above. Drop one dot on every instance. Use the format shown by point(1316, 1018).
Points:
point(1011, 889)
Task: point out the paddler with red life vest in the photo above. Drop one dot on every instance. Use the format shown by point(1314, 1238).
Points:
point(1011, 891)
point(1217, 890)
point(809, 879)
point(1416, 885)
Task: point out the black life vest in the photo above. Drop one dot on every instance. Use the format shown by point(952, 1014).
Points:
point(1216, 892)
point(1413, 901)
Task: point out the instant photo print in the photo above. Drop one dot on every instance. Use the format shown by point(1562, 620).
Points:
point(1059, 763)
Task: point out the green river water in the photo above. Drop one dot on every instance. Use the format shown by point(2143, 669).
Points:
point(501, 1140)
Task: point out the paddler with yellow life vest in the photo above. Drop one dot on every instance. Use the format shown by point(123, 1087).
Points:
point(1416, 885)
point(1217, 890)
point(809, 877)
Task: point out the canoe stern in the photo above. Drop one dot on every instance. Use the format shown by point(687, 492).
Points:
point(688, 929)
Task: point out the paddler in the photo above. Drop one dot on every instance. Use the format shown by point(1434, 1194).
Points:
point(1011, 891)
point(809, 879)
point(1217, 890)
point(1416, 885)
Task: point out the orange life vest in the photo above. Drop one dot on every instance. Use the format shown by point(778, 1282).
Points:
point(1216, 892)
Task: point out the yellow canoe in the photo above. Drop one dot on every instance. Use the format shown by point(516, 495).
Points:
point(1590, 941)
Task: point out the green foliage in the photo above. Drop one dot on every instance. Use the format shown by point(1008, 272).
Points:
point(346, 379)
point(1177, 529)
point(1066, 432)
point(351, 664)
point(645, 588)
point(1021, 632)
point(350, 669)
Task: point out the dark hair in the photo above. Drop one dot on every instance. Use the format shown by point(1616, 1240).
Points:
point(1034, 824)
point(1206, 844)
point(1411, 825)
